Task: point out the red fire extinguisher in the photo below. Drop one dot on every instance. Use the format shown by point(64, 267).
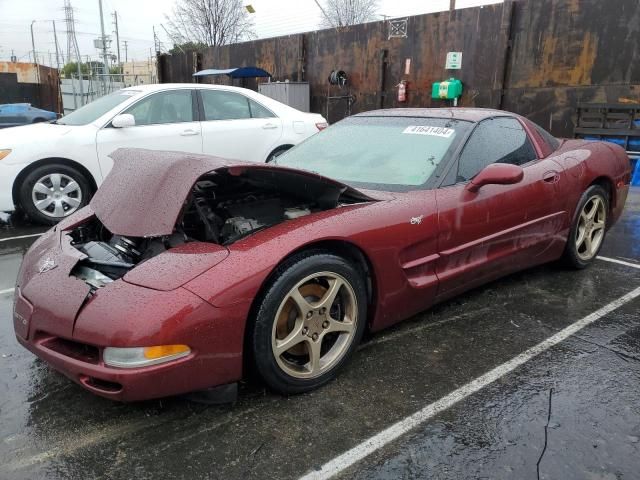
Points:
point(402, 91)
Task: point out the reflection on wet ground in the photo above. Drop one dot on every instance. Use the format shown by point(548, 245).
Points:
point(51, 428)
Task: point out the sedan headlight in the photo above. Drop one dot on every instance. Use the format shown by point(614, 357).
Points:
point(135, 357)
point(4, 153)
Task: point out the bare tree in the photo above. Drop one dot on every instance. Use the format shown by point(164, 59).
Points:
point(211, 22)
point(338, 13)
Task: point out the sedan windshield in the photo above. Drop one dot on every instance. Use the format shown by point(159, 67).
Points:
point(379, 153)
point(94, 110)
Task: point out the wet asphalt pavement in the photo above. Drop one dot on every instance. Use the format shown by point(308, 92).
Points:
point(583, 394)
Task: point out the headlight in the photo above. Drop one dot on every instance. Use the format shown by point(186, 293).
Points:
point(4, 153)
point(143, 356)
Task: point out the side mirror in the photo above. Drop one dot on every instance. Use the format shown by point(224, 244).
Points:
point(123, 120)
point(496, 174)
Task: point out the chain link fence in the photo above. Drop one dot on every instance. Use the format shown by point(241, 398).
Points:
point(76, 92)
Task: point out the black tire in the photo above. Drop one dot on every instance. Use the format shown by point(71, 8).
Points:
point(277, 152)
point(572, 257)
point(26, 190)
point(261, 329)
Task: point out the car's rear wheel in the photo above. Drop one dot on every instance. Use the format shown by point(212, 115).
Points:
point(588, 229)
point(52, 192)
point(310, 320)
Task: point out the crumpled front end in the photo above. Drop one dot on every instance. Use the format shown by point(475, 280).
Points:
point(68, 321)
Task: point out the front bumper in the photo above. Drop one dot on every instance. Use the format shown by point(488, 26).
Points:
point(213, 334)
point(127, 385)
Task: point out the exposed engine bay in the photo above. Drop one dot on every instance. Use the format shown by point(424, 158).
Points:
point(222, 209)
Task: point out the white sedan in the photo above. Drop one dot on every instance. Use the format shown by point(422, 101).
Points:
point(51, 170)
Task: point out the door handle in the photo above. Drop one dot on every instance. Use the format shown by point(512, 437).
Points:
point(269, 126)
point(188, 132)
point(551, 177)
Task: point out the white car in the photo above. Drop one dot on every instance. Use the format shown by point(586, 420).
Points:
point(51, 170)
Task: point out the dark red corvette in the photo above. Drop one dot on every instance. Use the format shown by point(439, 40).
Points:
point(214, 265)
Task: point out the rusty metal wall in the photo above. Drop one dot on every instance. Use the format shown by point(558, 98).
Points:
point(375, 63)
point(535, 57)
point(570, 51)
point(359, 51)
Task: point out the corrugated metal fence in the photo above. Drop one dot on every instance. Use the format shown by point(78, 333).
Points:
point(536, 57)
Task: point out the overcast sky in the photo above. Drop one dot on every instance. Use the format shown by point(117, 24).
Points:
point(136, 19)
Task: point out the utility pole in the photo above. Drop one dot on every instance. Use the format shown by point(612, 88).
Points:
point(55, 41)
point(452, 5)
point(125, 51)
point(35, 59)
point(33, 44)
point(115, 21)
point(104, 50)
point(72, 47)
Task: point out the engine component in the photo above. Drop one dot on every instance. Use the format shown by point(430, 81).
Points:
point(236, 227)
point(295, 212)
point(102, 252)
point(126, 246)
point(93, 277)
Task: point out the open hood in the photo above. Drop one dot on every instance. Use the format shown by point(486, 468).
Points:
point(145, 192)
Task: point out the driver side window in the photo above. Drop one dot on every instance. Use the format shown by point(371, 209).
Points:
point(496, 140)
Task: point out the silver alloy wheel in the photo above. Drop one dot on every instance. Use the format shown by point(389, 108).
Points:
point(591, 227)
point(56, 195)
point(314, 325)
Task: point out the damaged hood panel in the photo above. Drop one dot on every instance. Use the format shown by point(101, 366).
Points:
point(145, 192)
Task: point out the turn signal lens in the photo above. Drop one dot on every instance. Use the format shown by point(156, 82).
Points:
point(143, 356)
point(4, 153)
point(165, 351)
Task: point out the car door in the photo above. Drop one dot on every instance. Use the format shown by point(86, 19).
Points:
point(165, 120)
point(500, 228)
point(235, 126)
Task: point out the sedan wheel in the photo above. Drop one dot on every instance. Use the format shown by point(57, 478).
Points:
point(588, 229)
point(52, 192)
point(314, 325)
point(591, 226)
point(56, 195)
point(310, 318)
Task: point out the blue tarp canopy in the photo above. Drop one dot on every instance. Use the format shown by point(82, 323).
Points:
point(242, 72)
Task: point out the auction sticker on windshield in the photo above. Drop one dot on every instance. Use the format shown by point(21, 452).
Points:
point(426, 130)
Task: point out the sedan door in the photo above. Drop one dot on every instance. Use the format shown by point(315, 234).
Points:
point(237, 127)
point(165, 120)
point(500, 228)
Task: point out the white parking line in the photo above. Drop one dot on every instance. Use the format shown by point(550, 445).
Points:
point(7, 290)
point(21, 236)
point(621, 262)
point(349, 458)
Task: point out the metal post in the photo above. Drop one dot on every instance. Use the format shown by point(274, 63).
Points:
point(33, 44)
point(104, 49)
point(55, 40)
point(35, 58)
point(115, 18)
point(452, 5)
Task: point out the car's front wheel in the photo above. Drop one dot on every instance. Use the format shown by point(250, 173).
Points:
point(588, 229)
point(52, 192)
point(310, 320)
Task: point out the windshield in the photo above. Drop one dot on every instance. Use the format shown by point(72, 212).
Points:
point(94, 110)
point(379, 153)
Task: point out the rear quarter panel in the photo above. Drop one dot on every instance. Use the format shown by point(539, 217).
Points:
point(586, 162)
